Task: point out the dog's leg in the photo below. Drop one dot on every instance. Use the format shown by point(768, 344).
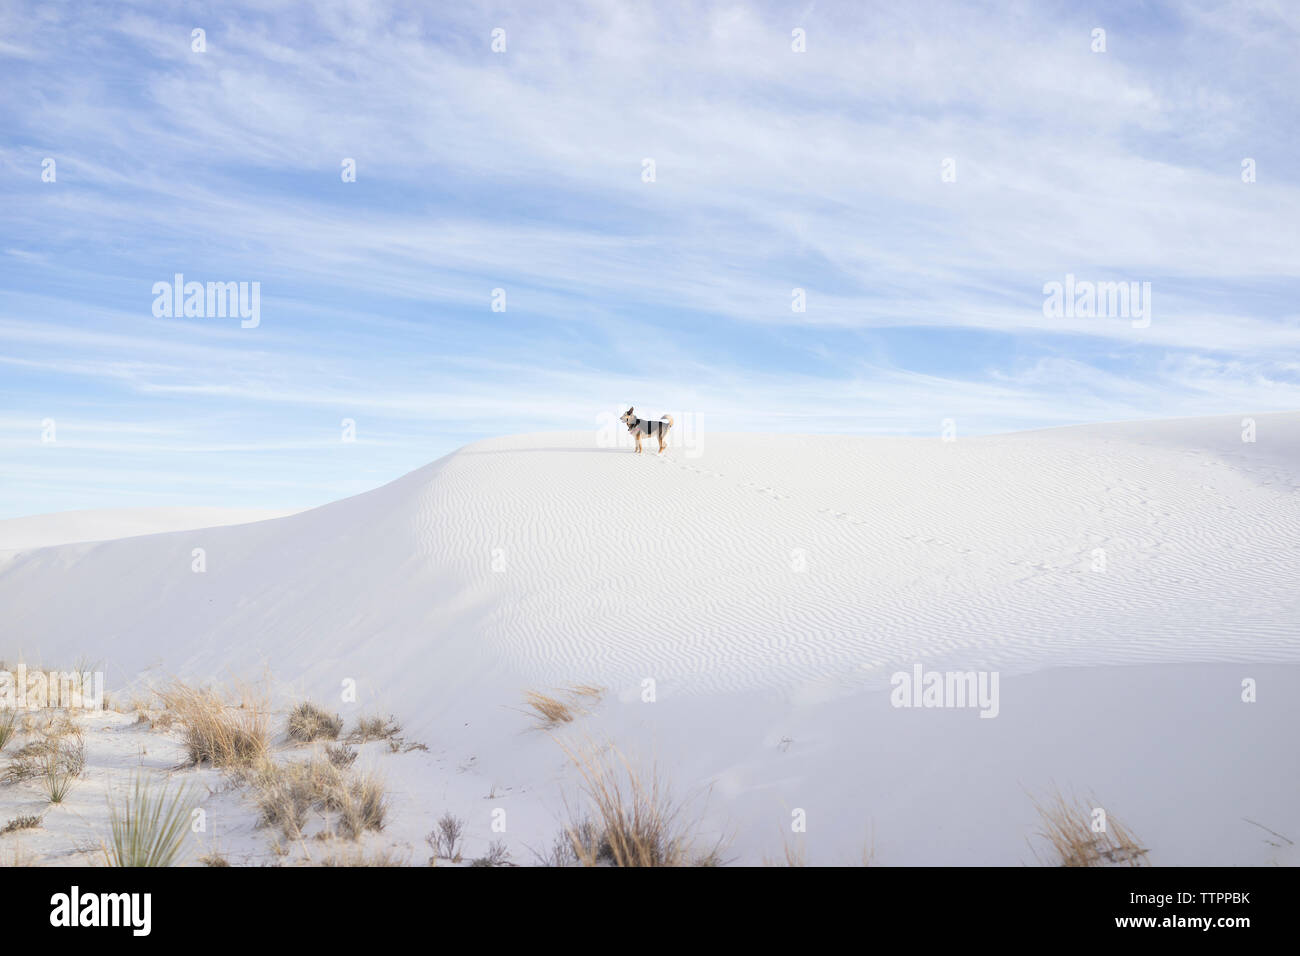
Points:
point(638, 443)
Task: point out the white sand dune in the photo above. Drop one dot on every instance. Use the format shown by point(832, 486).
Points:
point(612, 566)
point(769, 585)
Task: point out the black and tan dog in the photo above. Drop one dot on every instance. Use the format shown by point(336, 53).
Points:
point(640, 427)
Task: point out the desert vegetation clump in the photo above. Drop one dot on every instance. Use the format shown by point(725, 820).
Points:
point(218, 733)
point(22, 822)
point(357, 858)
point(551, 710)
point(341, 755)
point(374, 728)
point(28, 761)
point(55, 758)
point(289, 792)
point(548, 711)
point(8, 727)
point(60, 765)
point(632, 819)
point(307, 722)
point(496, 855)
point(362, 804)
point(1078, 832)
point(445, 838)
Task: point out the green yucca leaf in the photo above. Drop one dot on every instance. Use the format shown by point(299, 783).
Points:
point(149, 827)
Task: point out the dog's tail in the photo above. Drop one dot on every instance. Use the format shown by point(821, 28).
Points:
point(669, 420)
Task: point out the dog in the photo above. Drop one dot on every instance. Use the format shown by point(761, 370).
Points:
point(640, 427)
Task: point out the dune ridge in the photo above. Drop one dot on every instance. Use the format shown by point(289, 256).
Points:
point(753, 561)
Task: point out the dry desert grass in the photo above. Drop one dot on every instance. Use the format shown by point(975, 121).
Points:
point(8, 727)
point(632, 818)
point(55, 758)
point(552, 710)
point(549, 711)
point(307, 722)
point(217, 732)
point(1067, 827)
point(287, 793)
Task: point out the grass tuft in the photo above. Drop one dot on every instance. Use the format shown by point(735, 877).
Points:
point(549, 711)
point(25, 822)
point(590, 691)
point(356, 858)
point(1067, 826)
point(341, 755)
point(60, 766)
point(362, 806)
point(8, 723)
point(287, 793)
point(634, 820)
point(497, 855)
point(216, 733)
point(307, 722)
point(374, 728)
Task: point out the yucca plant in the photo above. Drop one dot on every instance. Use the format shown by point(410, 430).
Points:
point(149, 827)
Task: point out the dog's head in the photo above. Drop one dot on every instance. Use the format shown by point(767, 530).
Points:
point(629, 419)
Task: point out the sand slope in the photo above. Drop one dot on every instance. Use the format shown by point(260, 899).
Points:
point(610, 566)
point(70, 527)
point(791, 574)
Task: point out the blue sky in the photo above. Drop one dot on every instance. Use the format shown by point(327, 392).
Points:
point(522, 170)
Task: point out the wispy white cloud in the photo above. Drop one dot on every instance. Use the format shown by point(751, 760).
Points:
point(522, 171)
